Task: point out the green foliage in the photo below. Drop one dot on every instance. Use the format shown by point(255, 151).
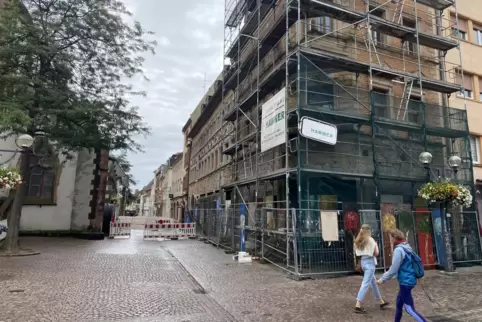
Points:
point(65, 68)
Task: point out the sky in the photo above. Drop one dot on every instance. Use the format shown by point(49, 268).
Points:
point(190, 36)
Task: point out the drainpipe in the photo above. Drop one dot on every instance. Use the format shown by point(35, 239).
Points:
point(189, 147)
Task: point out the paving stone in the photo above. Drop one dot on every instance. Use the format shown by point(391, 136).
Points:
point(132, 280)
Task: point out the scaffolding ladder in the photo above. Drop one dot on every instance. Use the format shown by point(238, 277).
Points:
point(369, 43)
point(397, 16)
point(407, 92)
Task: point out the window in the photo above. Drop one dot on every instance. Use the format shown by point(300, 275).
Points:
point(380, 106)
point(408, 46)
point(459, 29)
point(377, 37)
point(475, 149)
point(468, 84)
point(414, 115)
point(478, 35)
point(41, 182)
point(321, 24)
point(380, 102)
point(480, 88)
point(321, 94)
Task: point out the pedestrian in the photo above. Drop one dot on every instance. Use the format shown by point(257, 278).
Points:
point(407, 266)
point(367, 248)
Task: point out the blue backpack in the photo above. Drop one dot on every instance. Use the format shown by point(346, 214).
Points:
point(417, 264)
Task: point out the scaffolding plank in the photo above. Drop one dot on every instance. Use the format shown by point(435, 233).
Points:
point(344, 63)
point(383, 26)
point(410, 34)
point(335, 11)
point(437, 4)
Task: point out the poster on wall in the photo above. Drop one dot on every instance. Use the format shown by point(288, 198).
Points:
point(273, 126)
point(329, 226)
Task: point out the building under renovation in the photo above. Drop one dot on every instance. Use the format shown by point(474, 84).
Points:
point(332, 103)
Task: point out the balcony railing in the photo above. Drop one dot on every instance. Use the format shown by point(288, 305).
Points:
point(388, 110)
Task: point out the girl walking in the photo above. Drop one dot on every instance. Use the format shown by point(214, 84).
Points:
point(404, 266)
point(367, 248)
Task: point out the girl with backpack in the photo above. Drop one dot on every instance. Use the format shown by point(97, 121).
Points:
point(408, 267)
point(367, 248)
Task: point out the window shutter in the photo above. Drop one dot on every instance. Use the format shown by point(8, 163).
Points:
point(473, 149)
point(462, 25)
point(468, 81)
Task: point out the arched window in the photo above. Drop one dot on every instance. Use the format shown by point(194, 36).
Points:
point(42, 181)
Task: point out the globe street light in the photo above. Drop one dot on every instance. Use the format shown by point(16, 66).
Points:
point(455, 162)
point(425, 158)
point(24, 141)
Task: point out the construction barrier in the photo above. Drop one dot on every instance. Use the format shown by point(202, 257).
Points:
point(118, 229)
point(169, 231)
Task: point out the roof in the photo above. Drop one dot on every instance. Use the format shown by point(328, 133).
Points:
point(184, 128)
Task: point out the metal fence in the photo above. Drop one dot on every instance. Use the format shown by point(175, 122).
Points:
point(307, 242)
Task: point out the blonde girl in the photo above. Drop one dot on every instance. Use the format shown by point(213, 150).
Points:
point(367, 248)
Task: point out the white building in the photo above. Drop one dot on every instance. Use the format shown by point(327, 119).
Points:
point(61, 194)
point(146, 200)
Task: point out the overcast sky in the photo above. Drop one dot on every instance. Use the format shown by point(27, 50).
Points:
point(190, 43)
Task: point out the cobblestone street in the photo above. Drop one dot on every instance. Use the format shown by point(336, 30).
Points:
point(189, 281)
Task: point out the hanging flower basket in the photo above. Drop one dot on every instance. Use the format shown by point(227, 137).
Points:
point(446, 191)
point(10, 178)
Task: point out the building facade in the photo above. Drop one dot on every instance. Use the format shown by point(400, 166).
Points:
point(146, 201)
point(63, 194)
point(178, 192)
point(210, 168)
point(468, 30)
point(331, 114)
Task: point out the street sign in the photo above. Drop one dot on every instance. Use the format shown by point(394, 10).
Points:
point(318, 130)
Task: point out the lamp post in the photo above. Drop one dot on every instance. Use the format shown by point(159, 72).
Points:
point(454, 163)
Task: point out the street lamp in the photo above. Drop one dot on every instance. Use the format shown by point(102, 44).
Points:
point(425, 158)
point(454, 163)
point(24, 141)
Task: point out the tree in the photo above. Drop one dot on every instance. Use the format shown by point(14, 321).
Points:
point(65, 70)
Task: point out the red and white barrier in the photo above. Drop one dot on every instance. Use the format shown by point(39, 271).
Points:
point(169, 231)
point(118, 229)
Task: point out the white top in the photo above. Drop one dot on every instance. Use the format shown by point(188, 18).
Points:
point(368, 250)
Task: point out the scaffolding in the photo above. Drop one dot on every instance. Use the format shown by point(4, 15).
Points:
point(377, 71)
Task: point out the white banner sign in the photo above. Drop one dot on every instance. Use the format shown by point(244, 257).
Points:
point(273, 126)
point(318, 130)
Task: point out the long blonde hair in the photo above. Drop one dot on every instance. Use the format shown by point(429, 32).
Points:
point(362, 239)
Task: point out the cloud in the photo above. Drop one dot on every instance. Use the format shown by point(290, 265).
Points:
point(188, 59)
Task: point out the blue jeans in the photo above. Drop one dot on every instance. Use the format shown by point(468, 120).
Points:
point(369, 279)
point(404, 298)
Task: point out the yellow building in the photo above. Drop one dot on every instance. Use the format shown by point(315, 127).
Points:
point(468, 29)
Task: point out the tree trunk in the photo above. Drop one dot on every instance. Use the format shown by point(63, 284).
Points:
point(11, 242)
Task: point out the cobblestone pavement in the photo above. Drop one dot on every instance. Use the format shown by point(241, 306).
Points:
point(127, 280)
point(131, 280)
